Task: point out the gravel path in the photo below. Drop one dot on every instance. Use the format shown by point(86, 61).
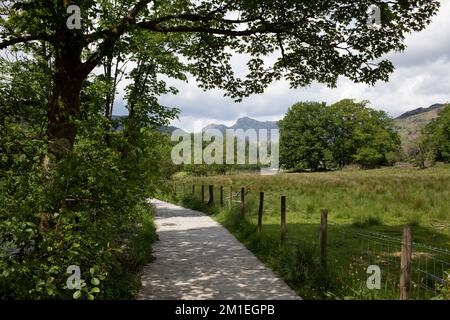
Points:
point(197, 258)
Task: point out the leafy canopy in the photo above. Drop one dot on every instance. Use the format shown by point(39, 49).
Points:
point(300, 40)
point(437, 136)
point(316, 136)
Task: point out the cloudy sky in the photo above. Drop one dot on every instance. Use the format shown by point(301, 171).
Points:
point(421, 78)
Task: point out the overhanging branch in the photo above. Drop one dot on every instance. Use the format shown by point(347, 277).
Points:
point(155, 26)
point(24, 39)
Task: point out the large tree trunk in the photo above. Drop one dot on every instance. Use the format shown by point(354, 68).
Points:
point(69, 75)
point(63, 110)
point(64, 106)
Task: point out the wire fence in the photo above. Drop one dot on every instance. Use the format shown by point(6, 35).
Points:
point(429, 265)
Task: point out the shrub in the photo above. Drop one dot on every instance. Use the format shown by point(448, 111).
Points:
point(86, 210)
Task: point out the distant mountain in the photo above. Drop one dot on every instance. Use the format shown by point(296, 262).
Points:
point(169, 130)
point(213, 126)
point(418, 111)
point(118, 125)
point(245, 124)
point(248, 123)
point(411, 123)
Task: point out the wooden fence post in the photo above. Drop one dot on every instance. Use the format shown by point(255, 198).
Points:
point(203, 194)
point(193, 190)
point(260, 210)
point(221, 197)
point(230, 198)
point(406, 263)
point(211, 196)
point(242, 201)
point(323, 237)
point(283, 218)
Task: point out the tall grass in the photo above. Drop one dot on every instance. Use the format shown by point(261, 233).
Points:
point(392, 196)
point(381, 200)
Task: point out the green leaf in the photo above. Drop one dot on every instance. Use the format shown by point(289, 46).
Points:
point(95, 281)
point(77, 295)
point(95, 290)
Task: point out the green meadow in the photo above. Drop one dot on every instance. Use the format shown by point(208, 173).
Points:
point(367, 212)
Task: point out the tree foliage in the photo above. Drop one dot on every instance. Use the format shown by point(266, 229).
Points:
point(301, 41)
point(72, 190)
point(87, 208)
point(437, 136)
point(316, 136)
point(304, 137)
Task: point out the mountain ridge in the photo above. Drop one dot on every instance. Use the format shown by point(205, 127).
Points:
point(118, 125)
point(244, 123)
point(411, 123)
point(418, 111)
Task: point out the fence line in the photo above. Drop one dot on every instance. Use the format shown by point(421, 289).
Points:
point(415, 269)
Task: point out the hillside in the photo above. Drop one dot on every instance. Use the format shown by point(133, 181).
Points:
point(244, 124)
point(412, 122)
point(118, 125)
point(409, 124)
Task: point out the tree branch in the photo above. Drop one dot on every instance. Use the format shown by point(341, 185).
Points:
point(23, 39)
point(110, 36)
point(154, 26)
point(128, 20)
point(121, 28)
point(195, 23)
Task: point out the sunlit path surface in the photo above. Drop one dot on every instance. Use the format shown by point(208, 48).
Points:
point(196, 258)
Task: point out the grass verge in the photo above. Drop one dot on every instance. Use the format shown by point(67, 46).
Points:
point(360, 202)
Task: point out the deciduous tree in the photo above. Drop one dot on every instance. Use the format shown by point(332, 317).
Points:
point(437, 136)
point(309, 41)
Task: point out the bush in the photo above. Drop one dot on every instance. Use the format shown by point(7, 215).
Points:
point(87, 210)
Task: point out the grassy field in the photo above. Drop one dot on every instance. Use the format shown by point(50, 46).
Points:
point(367, 212)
